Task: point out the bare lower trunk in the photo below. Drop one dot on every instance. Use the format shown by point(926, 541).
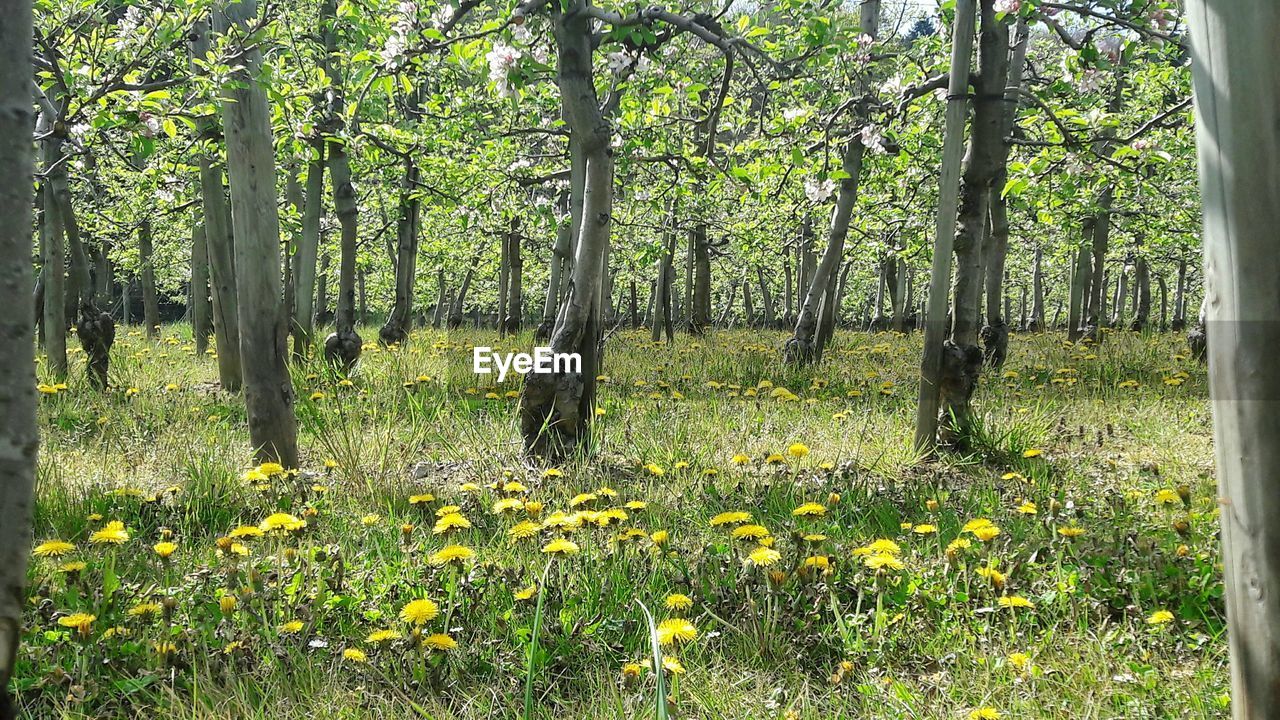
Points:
point(322, 292)
point(1036, 322)
point(1122, 293)
point(304, 257)
point(804, 346)
point(559, 260)
point(1080, 274)
point(1237, 102)
point(700, 312)
point(504, 277)
point(963, 363)
point(1142, 295)
point(1180, 298)
point(748, 308)
point(442, 292)
point(264, 323)
point(766, 299)
point(515, 300)
point(19, 435)
point(936, 368)
point(218, 239)
point(1164, 302)
point(460, 300)
point(342, 347)
point(556, 409)
point(201, 324)
point(53, 267)
point(150, 301)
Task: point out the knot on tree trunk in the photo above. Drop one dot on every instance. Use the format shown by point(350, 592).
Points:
point(342, 349)
point(392, 332)
point(961, 368)
point(995, 343)
point(1198, 342)
point(550, 413)
point(97, 333)
point(543, 331)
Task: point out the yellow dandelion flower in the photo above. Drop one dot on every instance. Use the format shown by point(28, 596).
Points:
point(882, 561)
point(380, 636)
point(282, 521)
point(292, 627)
point(355, 655)
point(676, 630)
point(1015, 601)
point(419, 612)
point(451, 553)
point(750, 532)
point(113, 533)
point(523, 530)
point(439, 642)
point(1160, 617)
point(53, 548)
point(164, 549)
point(82, 622)
point(810, 509)
point(733, 517)
point(677, 601)
point(525, 594)
point(741, 459)
point(449, 523)
point(672, 665)
point(560, 546)
point(763, 557)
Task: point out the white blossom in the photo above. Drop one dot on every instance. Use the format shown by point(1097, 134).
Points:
point(872, 139)
point(818, 190)
point(893, 86)
point(1110, 46)
point(522, 34)
point(619, 62)
point(502, 58)
point(132, 20)
point(442, 15)
point(393, 49)
point(793, 114)
point(1008, 6)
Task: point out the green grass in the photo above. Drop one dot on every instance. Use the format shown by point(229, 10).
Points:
point(926, 641)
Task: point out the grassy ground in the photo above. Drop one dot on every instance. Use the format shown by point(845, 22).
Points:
point(1095, 466)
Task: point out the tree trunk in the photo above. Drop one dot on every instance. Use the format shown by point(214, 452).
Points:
point(53, 264)
point(264, 324)
point(1238, 131)
point(218, 239)
point(1180, 298)
point(1142, 295)
point(701, 300)
point(504, 278)
point(635, 310)
point(1036, 321)
point(201, 324)
point(515, 301)
point(1164, 302)
point(1080, 274)
point(748, 308)
point(964, 365)
point(556, 409)
point(787, 316)
point(150, 300)
point(726, 314)
point(322, 292)
point(995, 335)
point(766, 299)
point(460, 300)
point(19, 434)
point(1122, 293)
point(342, 346)
point(440, 312)
point(304, 257)
point(936, 365)
point(802, 347)
point(559, 261)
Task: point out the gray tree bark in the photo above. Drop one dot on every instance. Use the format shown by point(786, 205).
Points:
point(1236, 76)
point(304, 258)
point(556, 409)
point(934, 360)
point(19, 436)
point(218, 239)
point(201, 323)
point(264, 327)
